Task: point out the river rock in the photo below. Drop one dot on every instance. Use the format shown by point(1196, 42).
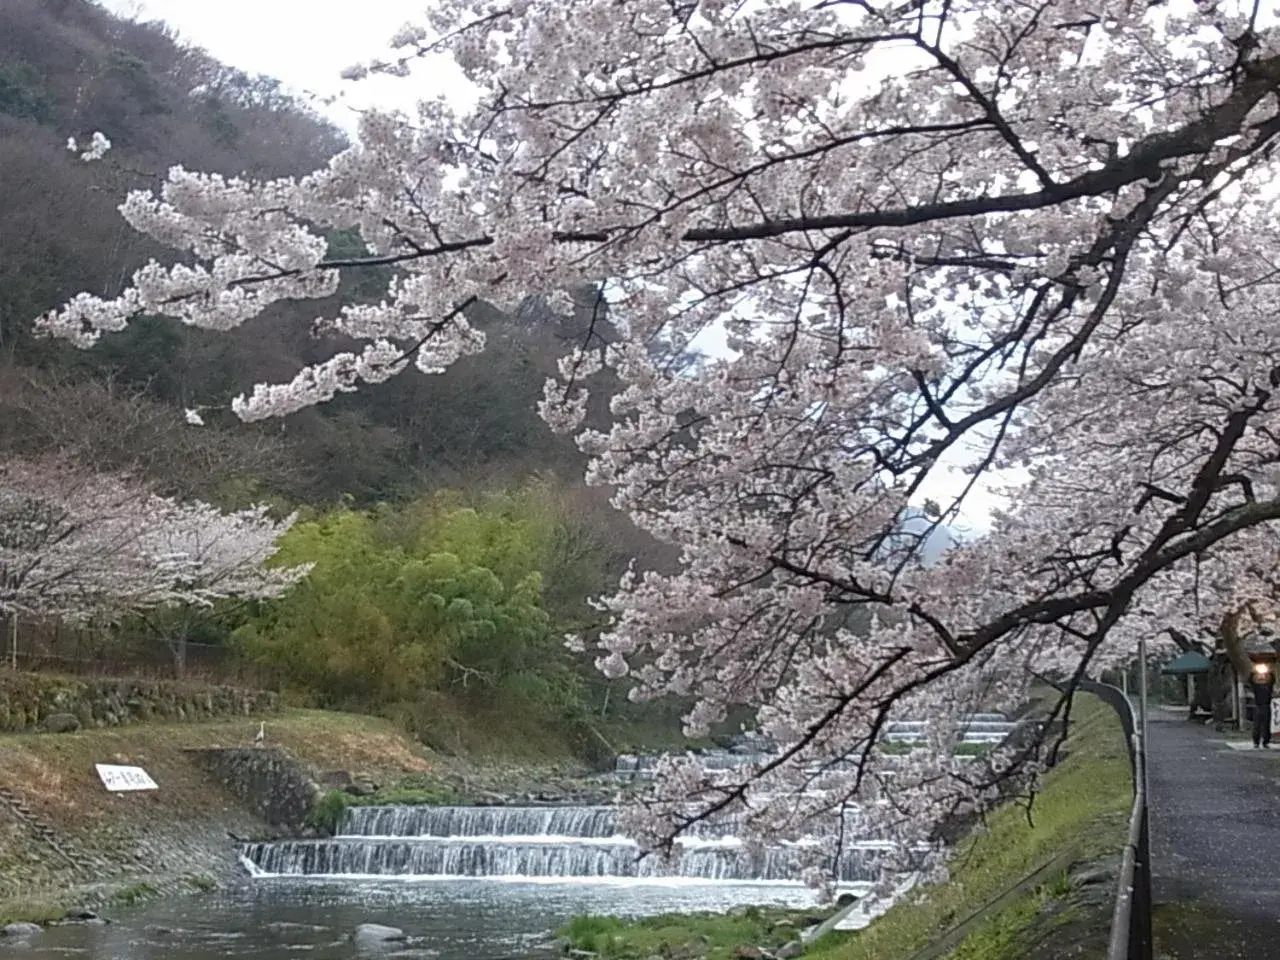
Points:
point(845, 899)
point(22, 929)
point(789, 950)
point(81, 915)
point(361, 788)
point(62, 723)
point(377, 933)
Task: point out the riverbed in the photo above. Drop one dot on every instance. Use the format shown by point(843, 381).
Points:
point(454, 919)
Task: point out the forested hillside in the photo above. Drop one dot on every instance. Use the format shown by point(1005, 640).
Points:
point(432, 450)
point(68, 68)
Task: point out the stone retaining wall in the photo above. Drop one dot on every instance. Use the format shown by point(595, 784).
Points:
point(272, 784)
point(38, 703)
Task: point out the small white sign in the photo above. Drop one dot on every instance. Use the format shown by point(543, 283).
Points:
point(116, 778)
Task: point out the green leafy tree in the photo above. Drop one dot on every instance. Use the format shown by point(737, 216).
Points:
point(434, 597)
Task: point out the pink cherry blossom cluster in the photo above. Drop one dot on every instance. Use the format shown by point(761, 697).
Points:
point(76, 545)
point(1041, 234)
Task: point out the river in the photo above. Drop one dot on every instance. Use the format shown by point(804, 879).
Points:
point(464, 883)
point(274, 919)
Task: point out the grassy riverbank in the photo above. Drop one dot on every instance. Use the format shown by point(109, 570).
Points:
point(70, 841)
point(713, 936)
point(64, 839)
point(1022, 885)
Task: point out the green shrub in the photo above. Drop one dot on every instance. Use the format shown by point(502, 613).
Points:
point(408, 797)
point(714, 936)
point(434, 597)
point(30, 912)
point(894, 748)
point(326, 813)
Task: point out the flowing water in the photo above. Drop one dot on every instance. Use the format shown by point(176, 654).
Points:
point(529, 843)
point(464, 883)
point(448, 919)
point(980, 728)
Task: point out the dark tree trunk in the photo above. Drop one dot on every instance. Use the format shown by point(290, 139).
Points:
point(1222, 681)
point(179, 647)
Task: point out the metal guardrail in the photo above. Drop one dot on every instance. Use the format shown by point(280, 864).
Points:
point(1131, 937)
point(1131, 922)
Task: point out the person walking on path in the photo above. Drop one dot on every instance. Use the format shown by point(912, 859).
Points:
point(1263, 683)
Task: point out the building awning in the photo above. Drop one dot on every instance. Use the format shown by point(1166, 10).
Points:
point(1189, 662)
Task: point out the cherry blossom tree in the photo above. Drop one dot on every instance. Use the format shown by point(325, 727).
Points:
point(76, 544)
point(201, 557)
point(68, 537)
point(1034, 235)
point(1214, 605)
point(68, 541)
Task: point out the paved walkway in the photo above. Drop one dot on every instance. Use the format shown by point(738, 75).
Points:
point(1215, 833)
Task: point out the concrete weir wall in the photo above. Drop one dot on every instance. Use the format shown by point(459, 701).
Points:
point(39, 703)
point(269, 782)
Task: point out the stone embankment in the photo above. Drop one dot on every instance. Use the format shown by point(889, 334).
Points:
point(37, 703)
point(65, 839)
point(270, 783)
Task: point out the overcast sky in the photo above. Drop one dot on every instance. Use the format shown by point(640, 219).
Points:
point(306, 45)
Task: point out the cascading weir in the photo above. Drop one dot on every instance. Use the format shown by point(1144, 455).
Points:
point(531, 843)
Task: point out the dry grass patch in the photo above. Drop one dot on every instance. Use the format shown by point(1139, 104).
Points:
point(54, 773)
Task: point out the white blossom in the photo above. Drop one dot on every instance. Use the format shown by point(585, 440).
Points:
point(199, 555)
point(963, 230)
point(612, 666)
point(76, 544)
point(97, 149)
point(68, 539)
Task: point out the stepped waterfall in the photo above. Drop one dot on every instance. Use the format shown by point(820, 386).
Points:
point(575, 842)
point(978, 729)
point(528, 843)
